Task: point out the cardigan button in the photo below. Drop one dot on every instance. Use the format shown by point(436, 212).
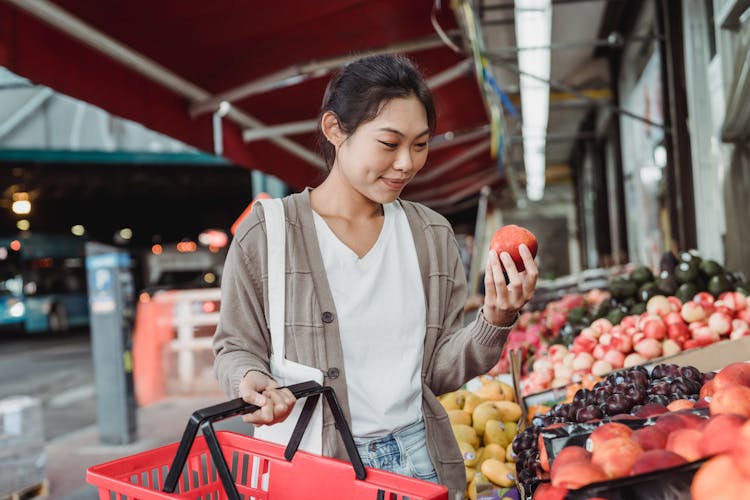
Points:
point(333, 372)
point(327, 317)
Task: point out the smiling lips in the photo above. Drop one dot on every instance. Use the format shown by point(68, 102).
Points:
point(394, 184)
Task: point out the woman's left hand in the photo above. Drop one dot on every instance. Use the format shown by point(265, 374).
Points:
point(503, 301)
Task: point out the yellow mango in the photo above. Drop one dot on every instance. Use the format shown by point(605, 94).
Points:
point(469, 453)
point(471, 401)
point(466, 434)
point(494, 432)
point(511, 429)
point(459, 417)
point(497, 472)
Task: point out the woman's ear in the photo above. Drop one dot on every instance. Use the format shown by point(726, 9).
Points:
point(331, 129)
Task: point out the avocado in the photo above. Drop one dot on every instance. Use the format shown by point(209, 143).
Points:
point(576, 315)
point(668, 262)
point(686, 292)
point(648, 290)
point(615, 316)
point(719, 284)
point(691, 257)
point(639, 308)
point(641, 275)
point(667, 283)
point(711, 268)
point(622, 288)
point(686, 272)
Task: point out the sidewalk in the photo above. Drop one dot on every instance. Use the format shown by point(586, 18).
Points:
point(161, 423)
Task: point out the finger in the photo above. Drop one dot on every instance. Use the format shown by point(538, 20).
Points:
point(498, 280)
point(278, 401)
point(508, 263)
point(532, 272)
point(490, 295)
point(288, 396)
point(266, 413)
point(254, 398)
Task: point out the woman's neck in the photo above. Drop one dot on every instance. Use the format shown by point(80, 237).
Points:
point(336, 197)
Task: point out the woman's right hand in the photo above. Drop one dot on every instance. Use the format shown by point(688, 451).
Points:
point(275, 404)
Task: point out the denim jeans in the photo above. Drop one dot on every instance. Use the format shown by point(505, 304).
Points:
point(403, 452)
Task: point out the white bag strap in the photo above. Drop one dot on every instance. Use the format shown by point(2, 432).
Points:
point(276, 237)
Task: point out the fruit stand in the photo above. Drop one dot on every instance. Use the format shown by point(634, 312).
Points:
point(638, 389)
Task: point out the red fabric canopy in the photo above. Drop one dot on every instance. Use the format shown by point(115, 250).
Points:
point(218, 46)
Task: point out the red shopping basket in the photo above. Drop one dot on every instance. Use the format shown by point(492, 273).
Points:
point(224, 464)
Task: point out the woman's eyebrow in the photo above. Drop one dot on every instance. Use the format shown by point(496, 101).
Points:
point(398, 132)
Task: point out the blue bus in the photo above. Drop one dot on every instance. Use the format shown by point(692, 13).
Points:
point(43, 283)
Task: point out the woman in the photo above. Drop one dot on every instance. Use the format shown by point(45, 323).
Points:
point(375, 286)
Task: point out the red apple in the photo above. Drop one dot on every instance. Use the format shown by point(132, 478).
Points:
point(508, 238)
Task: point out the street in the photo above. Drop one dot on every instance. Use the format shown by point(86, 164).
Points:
point(58, 369)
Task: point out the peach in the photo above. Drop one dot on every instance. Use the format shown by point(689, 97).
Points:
point(650, 437)
point(577, 474)
point(673, 421)
point(545, 491)
point(570, 454)
point(651, 410)
point(680, 404)
point(654, 460)
point(735, 373)
point(719, 478)
point(606, 432)
point(633, 359)
point(740, 452)
point(686, 443)
point(721, 433)
point(543, 457)
point(616, 456)
point(731, 399)
point(707, 390)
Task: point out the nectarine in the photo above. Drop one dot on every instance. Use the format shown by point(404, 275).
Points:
point(721, 433)
point(606, 432)
point(616, 456)
point(731, 399)
point(654, 460)
point(686, 443)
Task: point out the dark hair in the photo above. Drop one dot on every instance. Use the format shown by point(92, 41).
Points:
point(356, 93)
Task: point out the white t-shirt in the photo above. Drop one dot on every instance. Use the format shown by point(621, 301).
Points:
point(380, 306)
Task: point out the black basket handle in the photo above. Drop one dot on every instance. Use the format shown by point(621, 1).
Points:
point(205, 418)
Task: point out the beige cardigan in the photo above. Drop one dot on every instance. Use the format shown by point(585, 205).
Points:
point(453, 354)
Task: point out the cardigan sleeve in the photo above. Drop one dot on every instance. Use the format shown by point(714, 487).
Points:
point(242, 341)
point(461, 352)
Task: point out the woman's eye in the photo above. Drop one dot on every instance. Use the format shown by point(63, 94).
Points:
point(421, 145)
point(388, 144)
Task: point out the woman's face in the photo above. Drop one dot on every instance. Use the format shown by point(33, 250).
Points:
point(384, 154)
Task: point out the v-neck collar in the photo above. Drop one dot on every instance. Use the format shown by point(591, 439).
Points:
point(385, 230)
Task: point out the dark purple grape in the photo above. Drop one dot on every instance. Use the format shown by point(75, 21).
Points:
point(691, 373)
point(616, 404)
point(636, 394)
point(708, 376)
point(637, 377)
point(525, 476)
point(658, 398)
point(590, 412)
point(537, 421)
point(602, 396)
point(642, 369)
point(660, 388)
point(617, 378)
point(693, 386)
point(635, 409)
point(583, 395)
point(678, 385)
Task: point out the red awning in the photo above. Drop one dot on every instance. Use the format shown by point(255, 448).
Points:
point(276, 57)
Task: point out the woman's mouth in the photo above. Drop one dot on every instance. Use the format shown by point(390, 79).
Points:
point(393, 183)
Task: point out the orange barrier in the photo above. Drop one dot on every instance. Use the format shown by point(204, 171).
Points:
point(153, 330)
